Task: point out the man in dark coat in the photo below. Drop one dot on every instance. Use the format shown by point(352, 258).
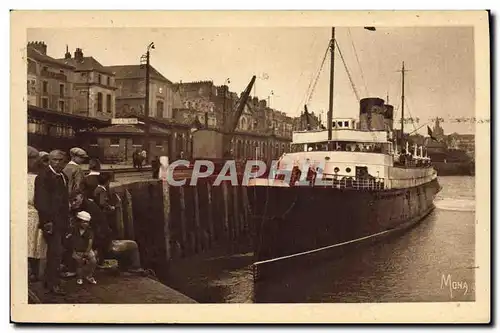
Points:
point(52, 203)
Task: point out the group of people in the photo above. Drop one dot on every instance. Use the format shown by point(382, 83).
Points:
point(71, 220)
point(138, 158)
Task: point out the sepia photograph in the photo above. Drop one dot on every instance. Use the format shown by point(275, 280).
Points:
point(316, 166)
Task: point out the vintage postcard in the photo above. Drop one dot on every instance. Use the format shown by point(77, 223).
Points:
point(250, 167)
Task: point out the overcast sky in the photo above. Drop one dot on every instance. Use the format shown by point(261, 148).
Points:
point(441, 63)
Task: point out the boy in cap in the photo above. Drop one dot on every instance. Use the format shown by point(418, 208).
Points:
point(81, 239)
point(73, 170)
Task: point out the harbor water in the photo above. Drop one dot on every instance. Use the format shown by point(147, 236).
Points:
point(432, 262)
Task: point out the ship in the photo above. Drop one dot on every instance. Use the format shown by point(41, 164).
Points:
point(343, 183)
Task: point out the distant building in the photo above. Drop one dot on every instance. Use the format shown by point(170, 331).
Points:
point(94, 87)
point(50, 81)
point(53, 118)
point(466, 142)
point(300, 123)
point(131, 92)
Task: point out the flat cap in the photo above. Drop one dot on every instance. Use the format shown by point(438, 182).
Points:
point(79, 152)
point(32, 152)
point(83, 215)
point(42, 154)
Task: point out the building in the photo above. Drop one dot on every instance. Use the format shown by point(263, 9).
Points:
point(199, 99)
point(94, 86)
point(131, 92)
point(52, 122)
point(50, 81)
point(465, 142)
point(300, 123)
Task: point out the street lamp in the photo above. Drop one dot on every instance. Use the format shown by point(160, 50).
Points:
point(145, 57)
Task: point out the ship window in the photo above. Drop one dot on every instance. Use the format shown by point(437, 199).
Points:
point(339, 123)
point(348, 170)
point(336, 170)
point(346, 124)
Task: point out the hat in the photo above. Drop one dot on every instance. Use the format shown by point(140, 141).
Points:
point(83, 216)
point(42, 154)
point(79, 152)
point(32, 152)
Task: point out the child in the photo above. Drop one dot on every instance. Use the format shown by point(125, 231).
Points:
point(81, 239)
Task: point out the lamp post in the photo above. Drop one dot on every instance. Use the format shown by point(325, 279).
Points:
point(147, 124)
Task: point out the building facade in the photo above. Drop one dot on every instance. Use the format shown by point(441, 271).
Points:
point(50, 81)
point(94, 86)
point(131, 92)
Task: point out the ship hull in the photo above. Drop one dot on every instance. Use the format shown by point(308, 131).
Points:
point(293, 220)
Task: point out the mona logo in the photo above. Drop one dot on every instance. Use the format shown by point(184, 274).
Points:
point(446, 282)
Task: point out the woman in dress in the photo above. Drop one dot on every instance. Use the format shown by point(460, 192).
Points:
point(36, 244)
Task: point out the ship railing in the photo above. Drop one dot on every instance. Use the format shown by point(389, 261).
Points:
point(356, 183)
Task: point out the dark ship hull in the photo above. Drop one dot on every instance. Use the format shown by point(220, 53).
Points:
point(291, 220)
point(454, 168)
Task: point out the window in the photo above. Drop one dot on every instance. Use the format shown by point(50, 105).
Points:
point(346, 124)
point(61, 106)
point(45, 87)
point(159, 143)
point(160, 90)
point(109, 81)
point(108, 103)
point(99, 78)
point(61, 90)
point(136, 142)
point(99, 102)
point(115, 141)
point(159, 109)
point(93, 141)
point(31, 67)
point(45, 103)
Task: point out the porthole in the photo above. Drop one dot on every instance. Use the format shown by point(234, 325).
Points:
point(348, 170)
point(327, 158)
point(336, 170)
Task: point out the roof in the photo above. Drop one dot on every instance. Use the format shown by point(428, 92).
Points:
point(136, 72)
point(39, 56)
point(127, 129)
point(87, 64)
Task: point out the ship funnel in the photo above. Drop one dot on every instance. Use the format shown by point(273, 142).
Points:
point(371, 114)
point(389, 117)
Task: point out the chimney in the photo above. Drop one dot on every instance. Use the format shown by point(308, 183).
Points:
point(39, 46)
point(67, 55)
point(79, 54)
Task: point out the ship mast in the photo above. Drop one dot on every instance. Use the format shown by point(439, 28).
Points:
point(402, 104)
point(332, 67)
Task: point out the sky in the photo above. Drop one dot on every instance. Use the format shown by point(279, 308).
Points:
point(439, 83)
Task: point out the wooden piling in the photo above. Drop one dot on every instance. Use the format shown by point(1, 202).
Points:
point(198, 232)
point(183, 219)
point(210, 217)
point(129, 215)
point(225, 195)
point(166, 219)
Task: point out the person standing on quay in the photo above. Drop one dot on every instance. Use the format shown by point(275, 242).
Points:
point(73, 170)
point(52, 203)
point(36, 244)
point(90, 181)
